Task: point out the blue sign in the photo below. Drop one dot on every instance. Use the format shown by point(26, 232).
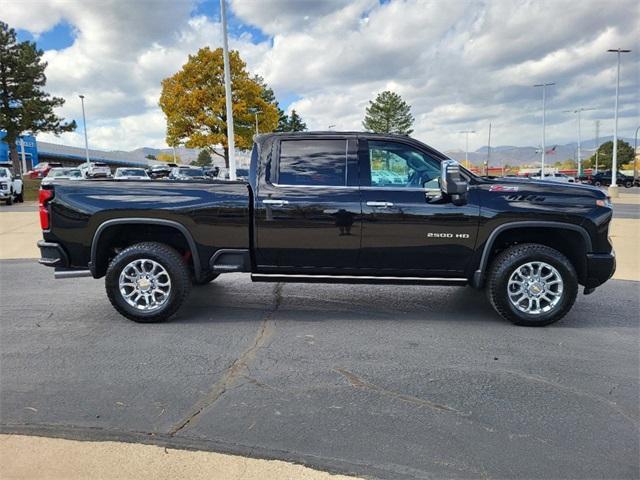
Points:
point(30, 150)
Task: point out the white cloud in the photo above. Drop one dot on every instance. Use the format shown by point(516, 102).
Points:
point(459, 64)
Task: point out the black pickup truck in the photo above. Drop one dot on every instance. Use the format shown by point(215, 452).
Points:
point(334, 207)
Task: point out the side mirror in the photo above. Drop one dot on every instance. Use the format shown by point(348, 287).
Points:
point(452, 183)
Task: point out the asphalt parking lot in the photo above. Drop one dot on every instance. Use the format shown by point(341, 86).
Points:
point(380, 381)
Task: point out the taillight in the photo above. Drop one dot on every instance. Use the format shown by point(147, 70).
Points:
point(44, 198)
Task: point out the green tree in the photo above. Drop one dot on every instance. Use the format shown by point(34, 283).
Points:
point(204, 158)
point(605, 155)
point(295, 123)
point(193, 101)
point(388, 113)
point(24, 105)
point(270, 97)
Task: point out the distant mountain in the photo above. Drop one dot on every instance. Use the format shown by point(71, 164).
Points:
point(530, 156)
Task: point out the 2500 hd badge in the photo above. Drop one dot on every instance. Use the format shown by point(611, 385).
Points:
point(448, 235)
point(326, 207)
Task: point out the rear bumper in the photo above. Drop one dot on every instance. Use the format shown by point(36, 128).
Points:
point(52, 255)
point(600, 268)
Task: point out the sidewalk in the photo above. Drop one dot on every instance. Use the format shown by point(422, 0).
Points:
point(627, 199)
point(25, 457)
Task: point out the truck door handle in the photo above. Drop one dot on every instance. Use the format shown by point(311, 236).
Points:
point(379, 204)
point(277, 203)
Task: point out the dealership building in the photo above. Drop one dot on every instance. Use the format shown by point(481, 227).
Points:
point(31, 152)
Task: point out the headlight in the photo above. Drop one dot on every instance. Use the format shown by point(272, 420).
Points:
point(604, 203)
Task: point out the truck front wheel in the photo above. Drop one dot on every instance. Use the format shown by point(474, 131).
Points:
point(147, 282)
point(532, 285)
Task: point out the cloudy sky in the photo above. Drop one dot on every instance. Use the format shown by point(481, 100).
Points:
point(460, 64)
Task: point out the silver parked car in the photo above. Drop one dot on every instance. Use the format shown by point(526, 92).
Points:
point(95, 170)
point(61, 173)
point(187, 173)
point(129, 173)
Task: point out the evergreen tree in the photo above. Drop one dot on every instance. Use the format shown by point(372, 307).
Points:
point(204, 159)
point(295, 123)
point(24, 106)
point(388, 113)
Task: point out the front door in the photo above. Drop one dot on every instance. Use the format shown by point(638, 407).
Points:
point(308, 215)
point(406, 230)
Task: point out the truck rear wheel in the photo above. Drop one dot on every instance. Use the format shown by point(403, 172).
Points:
point(532, 285)
point(147, 282)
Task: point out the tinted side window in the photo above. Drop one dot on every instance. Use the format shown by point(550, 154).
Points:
point(313, 162)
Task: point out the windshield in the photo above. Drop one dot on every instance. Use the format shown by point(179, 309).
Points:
point(191, 172)
point(4, 172)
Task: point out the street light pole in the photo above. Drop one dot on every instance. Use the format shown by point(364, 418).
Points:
point(578, 111)
point(613, 189)
point(635, 155)
point(544, 122)
point(466, 151)
point(84, 123)
point(597, 143)
point(256, 112)
point(227, 90)
point(486, 168)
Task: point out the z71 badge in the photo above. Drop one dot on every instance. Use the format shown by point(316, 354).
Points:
point(503, 188)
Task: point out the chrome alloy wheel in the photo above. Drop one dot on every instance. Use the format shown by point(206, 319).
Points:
point(535, 288)
point(145, 284)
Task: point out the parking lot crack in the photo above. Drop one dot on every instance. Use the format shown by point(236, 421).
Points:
point(357, 382)
point(237, 370)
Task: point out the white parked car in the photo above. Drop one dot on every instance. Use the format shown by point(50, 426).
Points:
point(128, 173)
point(95, 170)
point(555, 177)
point(11, 187)
point(61, 173)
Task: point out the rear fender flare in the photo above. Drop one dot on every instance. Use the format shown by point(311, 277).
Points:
point(197, 267)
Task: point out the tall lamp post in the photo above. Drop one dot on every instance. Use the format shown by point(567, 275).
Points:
point(466, 149)
point(84, 124)
point(544, 122)
point(227, 90)
point(597, 143)
point(486, 166)
point(256, 112)
point(578, 111)
point(613, 189)
point(635, 155)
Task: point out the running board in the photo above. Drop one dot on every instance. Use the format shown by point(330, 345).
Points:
point(271, 277)
point(61, 274)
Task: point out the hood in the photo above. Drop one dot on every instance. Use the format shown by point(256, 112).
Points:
point(528, 186)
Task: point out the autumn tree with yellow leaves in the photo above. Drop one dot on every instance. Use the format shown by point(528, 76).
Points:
point(193, 101)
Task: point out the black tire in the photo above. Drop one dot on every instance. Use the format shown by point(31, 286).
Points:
point(9, 200)
point(508, 261)
point(170, 260)
point(208, 278)
point(628, 184)
point(597, 184)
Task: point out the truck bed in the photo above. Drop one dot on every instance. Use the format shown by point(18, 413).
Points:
point(215, 214)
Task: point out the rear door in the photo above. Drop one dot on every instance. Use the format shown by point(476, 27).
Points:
point(407, 231)
point(307, 208)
